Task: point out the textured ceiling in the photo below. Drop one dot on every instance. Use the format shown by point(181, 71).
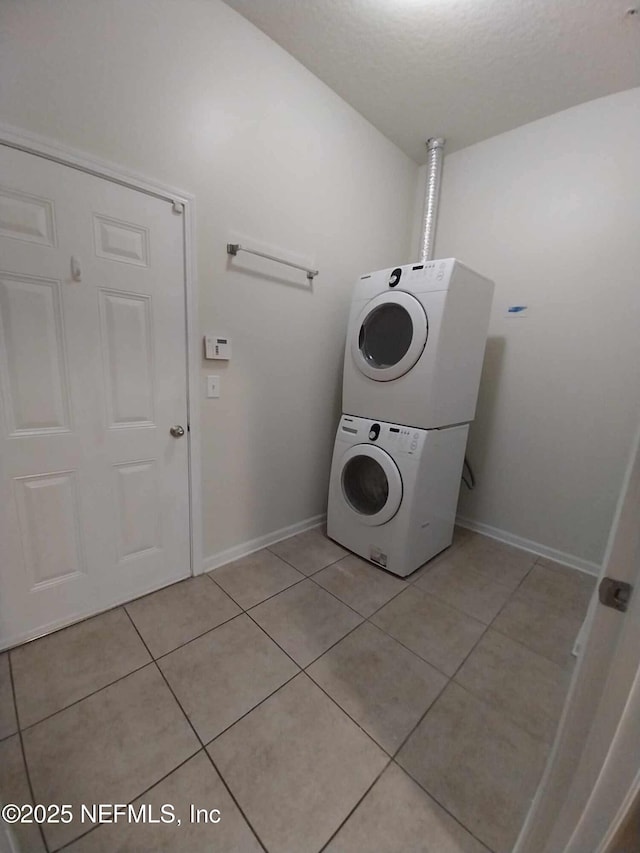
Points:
point(463, 69)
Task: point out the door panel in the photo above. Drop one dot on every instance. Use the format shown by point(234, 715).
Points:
point(128, 358)
point(26, 217)
point(93, 488)
point(33, 362)
point(50, 528)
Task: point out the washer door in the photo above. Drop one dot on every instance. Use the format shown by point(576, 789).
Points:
point(371, 484)
point(389, 335)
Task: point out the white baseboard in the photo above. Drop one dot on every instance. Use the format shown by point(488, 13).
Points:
point(214, 561)
point(527, 545)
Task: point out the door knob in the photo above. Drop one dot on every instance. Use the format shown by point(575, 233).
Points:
point(177, 431)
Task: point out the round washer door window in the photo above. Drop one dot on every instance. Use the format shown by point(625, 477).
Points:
point(389, 335)
point(371, 484)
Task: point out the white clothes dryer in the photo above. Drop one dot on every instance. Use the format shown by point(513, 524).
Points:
point(393, 491)
point(415, 344)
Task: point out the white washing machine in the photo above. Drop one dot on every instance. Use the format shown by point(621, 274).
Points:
point(415, 344)
point(393, 491)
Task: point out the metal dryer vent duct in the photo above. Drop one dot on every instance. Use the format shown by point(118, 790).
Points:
point(435, 149)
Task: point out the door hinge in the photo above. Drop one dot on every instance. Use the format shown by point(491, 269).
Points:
point(614, 593)
point(177, 207)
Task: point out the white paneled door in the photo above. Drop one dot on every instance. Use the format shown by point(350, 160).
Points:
point(94, 504)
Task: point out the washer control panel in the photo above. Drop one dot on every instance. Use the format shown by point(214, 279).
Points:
point(392, 437)
point(404, 439)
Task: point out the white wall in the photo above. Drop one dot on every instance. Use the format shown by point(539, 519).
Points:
point(191, 94)
point(551, 211)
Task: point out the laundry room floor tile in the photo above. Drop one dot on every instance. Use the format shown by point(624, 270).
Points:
point(499, 562)
point(443, 556)
point(359, 584)
point(68, 665)
point(543, 627)
point(14, 788)
point(256, 577)
point(555, 584)
point(195, 782)
point(176, 614)
point(462, 535)
point(400, 816)
point(416, 724)
point(225, 673)
point(309, 552)
point(8, 722)
point(547, 611)
point(431, 628)
point(107, 748)
point(525, 686)
point(305, 620)
point(384, 687)
point(478, 764)
point(456, 582)
point(317, 765)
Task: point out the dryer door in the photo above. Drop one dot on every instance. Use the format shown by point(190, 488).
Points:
point(389, 335)
point(371, 484)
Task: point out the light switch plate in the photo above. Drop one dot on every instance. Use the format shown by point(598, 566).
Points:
point(213, 387)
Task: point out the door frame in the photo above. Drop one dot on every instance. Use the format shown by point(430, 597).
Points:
point(32, 143)
point(593, 775)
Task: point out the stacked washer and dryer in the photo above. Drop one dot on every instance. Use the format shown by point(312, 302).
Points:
point(415, 344)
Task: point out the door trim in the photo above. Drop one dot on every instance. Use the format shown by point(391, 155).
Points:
point(592, 774)
point(32, 143)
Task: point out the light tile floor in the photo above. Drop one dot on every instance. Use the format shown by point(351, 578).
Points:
point(315, 701)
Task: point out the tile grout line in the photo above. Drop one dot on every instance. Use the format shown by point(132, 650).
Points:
point(347, 714)
point(199, 739)
point(394, 761)
point(237, 804)
point(303, 670)
point(186, 642)
point(443, 807)
point(343, 637)
point(162, 675)
point(337, 830)
point(406, 738)
point(22, 749)
point(395, 595)
point(152, 659)
point(137, 797)
point(197, 637)
point(487, 626)
point(533, 651)
point(253, 708)
point(450, 680)
point(339, 707)
point(87, 696)
point(315, 572)
point(268, 598)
